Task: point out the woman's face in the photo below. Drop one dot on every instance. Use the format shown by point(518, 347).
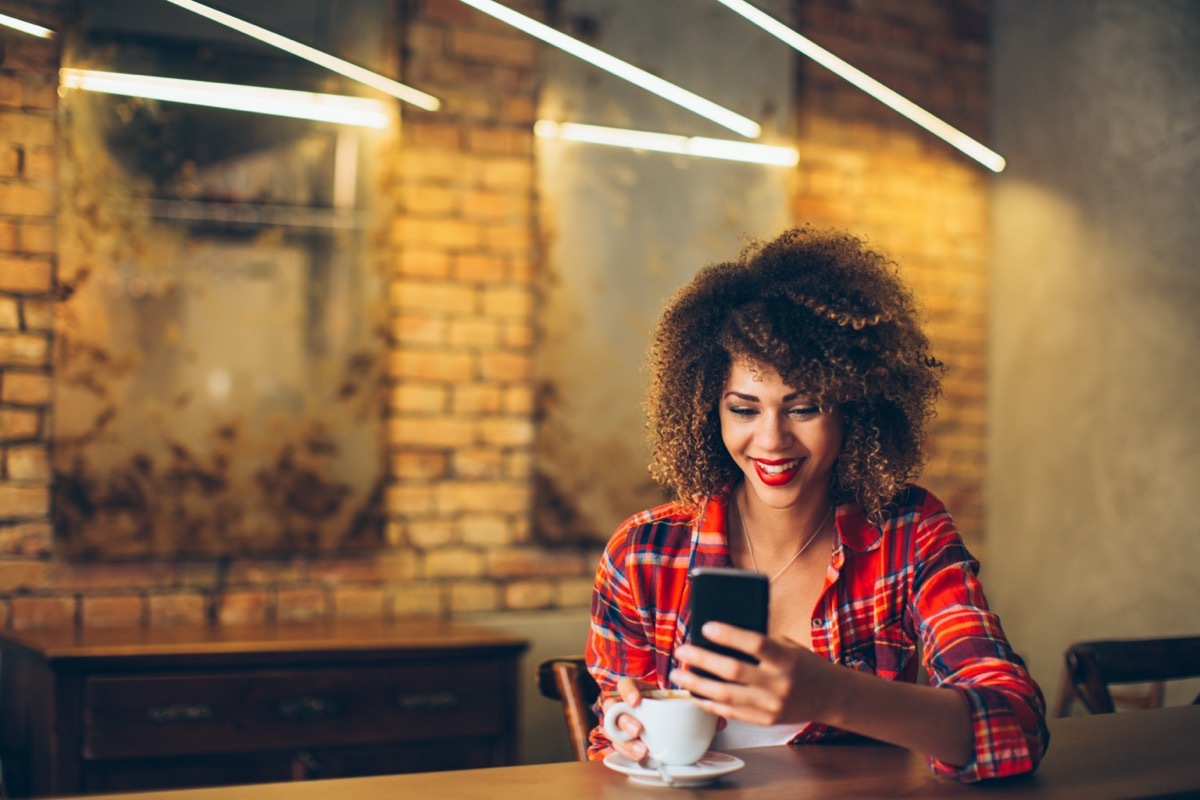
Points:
point(783, 443)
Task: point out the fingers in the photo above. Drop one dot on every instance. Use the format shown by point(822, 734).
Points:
point(751, 643)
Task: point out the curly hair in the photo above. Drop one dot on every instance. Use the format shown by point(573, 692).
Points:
point(831, 317)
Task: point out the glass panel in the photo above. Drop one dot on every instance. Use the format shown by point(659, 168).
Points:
point(222, 337)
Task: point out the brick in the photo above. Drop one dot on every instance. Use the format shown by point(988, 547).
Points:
point(437, 232)
point(518, 465)
point(24, 350)
point(432, 200)
point(518, 335)
point(25, 200)
point(430, 533)
point(484, 530)
point(502, 141)
point(505, 497)
point(242, 608)
point(8, 235)
point(39, 237)
point(39, 314)
point(22, 575)
point(10, 157)
point(507, 301)
point(18, 424)
point(263, 571)
point(10, 313)
point(473, 332)
point(423, 264)
point(28, 463)
point(345, 570)
point(417, 600)
point(81, 577)
point(409, 500)
point(200, 574)
point(25, 388)
point(419, 397)
point(518, 400)
point(492, 48)
point(453, 562)
point(410, 464)
point(420, 330)
point(431, 431)
point(432, 365)
point(397, 567)
point(480, 268)
point(300, 604)
point(23, 501)
point(526, 595)
point(506, 366)
point(29, 539)
point(26, 129)
point(530, 562)
point(476, 398)
point(43, 612)
point(435, 136)
point(508, 173)
point(40, 164)
point(112, 612)
point(478, 463)
point(178, 608)
point(356, 602)
point(430, 297)
point(506, 432)
point(473, 596)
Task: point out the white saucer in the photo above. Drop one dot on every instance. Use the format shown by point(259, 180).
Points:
point(706, 770)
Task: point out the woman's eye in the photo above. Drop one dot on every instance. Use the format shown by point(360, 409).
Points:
point(806, 411)
point(742, 411)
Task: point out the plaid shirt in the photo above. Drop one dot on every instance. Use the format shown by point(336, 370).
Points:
point(908, 585)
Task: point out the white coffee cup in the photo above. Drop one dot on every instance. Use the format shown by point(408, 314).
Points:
point(676, 730)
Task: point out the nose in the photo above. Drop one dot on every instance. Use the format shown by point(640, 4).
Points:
point(775, 434)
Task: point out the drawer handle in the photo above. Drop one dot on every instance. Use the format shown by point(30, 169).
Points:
point(428, 701)
point(306, 709)
point(180, 712)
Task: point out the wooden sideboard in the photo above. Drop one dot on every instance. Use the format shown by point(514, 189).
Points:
point(112, 710)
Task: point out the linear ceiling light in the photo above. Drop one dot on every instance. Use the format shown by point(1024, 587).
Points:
point(622, 69)
point(341, 67)
point(668, 143)
point(280, 102)
point(26, 27)
point(989, 158)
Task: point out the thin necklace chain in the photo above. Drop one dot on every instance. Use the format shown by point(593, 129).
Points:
point(750, 545)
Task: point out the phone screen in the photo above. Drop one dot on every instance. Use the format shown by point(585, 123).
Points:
point(735, 596)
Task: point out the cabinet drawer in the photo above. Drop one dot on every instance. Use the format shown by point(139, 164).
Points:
point(178, 714)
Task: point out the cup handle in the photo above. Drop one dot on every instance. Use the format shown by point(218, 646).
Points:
point(610, 721)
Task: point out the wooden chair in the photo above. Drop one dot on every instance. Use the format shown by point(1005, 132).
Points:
point(1091, 667)
point(566, 679)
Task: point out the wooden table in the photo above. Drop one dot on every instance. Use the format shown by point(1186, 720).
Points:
point(120, 710)
point(1126, 755)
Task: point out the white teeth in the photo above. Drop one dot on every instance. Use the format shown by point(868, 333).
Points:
point(775, 469)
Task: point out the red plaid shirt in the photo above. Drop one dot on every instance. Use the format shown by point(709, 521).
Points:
point(908, 585)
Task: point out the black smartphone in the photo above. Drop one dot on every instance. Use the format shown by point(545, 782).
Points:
point(738, 597)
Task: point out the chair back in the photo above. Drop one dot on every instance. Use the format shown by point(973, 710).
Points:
point(1091, 667)
point(566, 679)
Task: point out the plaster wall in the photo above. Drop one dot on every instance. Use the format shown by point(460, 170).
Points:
point(1094, 398)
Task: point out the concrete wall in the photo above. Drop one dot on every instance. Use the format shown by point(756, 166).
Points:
point(1094, 391)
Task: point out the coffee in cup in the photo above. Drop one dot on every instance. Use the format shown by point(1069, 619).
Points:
point(676, 730)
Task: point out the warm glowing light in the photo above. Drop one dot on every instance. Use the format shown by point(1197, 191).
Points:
point(280, 102)
point(989, 158)
point(341, 67)
point(622, 69)
point(668, 143)
point(26, 27)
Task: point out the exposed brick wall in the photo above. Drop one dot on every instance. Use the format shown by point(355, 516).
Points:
point(866, 168)
point(463, 248)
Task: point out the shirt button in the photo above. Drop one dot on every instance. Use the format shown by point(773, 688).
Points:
point(817, 622)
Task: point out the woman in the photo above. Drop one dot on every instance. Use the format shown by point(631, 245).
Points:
point(789, 394)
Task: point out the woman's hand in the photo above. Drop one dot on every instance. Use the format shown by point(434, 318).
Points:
point(790, 683)
point(630, 691)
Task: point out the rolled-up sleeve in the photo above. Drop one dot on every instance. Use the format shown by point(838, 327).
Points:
point(965, 650)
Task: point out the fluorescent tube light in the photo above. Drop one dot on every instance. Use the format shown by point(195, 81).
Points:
point(622, 69)
point(668, 143)
point(989, 158)
point(280, 102)
point(26, 27)
point(341, 67)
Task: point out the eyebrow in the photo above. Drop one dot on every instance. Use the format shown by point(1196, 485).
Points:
point(754, 399)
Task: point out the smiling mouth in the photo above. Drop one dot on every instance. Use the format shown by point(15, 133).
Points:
point(776, 467)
